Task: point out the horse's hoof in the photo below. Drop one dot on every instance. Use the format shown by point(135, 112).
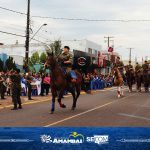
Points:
point(63, 106)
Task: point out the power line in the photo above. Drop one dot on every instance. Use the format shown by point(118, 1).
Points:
point(12, 34)
point(14, 11)
point(79, 19)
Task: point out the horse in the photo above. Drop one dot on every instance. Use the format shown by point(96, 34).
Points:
point(138, 79)
point(61, 82)
point(130, 78)
point(118, 81)
point(146, 79)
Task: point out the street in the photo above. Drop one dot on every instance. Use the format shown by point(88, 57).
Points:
point(102, 108)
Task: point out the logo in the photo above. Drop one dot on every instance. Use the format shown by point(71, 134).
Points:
point(46, 139)
point(73, 138)
point(98, 139)
point(81, 61)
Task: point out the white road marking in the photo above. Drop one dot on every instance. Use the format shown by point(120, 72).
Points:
point(85, 112)
point(134, 116)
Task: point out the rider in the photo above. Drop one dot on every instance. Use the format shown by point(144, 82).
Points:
point(138, 68)
point(119, 64)
point(138, 76)
point(130, 67)
point(146, 79)
point(66, 60)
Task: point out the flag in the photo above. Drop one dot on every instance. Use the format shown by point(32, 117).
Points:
point(99, 55)
point(104, 62)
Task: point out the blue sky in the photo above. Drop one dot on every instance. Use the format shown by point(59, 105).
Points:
point(126, 34)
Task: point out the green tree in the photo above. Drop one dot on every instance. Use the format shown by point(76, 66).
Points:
point(55, 47)
point(35, 58)
point(43, 57)
point(1, 65)
point(10, 64)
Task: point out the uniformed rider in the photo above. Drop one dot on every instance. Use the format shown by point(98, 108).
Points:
point(66, 60)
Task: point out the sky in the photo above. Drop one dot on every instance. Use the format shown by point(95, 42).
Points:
point(126, 34)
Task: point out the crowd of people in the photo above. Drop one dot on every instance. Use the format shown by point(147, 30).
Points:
point(93, 81)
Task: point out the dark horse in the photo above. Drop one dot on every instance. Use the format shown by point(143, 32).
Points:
point(60, 82)
point(130, 78)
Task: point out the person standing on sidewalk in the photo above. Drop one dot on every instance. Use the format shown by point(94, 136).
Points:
point(2, 85)
point(16, 88)
point(29, 81)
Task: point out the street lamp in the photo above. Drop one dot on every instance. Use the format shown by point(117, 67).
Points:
point(38, 31)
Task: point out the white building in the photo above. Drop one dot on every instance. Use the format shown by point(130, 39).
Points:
point(83, 45)
point(17, 51)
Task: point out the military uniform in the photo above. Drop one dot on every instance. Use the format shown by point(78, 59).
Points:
point(67, 67)
point(130, 67)
point(146, 76)
point(16, 90)
point(66, 57)
point(138, 68)
point(2, 86)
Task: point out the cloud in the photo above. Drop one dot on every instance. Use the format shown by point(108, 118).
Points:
point(127, 34)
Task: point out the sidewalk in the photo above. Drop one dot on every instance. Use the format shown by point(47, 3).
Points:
point(7, 102)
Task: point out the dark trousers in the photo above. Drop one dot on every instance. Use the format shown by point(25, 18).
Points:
point(16, 92)
point(29, 90)
point(2, 90)
point(45, 87)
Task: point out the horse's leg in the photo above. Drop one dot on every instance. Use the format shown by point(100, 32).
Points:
point(72, 91)
point(53, 105)
point(60, 97)
point(78, 90)
point(122, 93)
point(119, 91)
point(54, 94)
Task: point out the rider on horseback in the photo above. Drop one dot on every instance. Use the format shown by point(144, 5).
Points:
point(66, 60)
point(146, 76)
point(138, 68)
point(138, 76)
point(119, 64)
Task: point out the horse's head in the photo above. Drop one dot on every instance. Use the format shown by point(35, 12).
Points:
point(50, 61)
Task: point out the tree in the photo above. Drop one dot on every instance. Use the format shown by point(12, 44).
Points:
point(55, 47)
point(1, 65)
point(35, 58)
point(43, 57)
point(10, 64)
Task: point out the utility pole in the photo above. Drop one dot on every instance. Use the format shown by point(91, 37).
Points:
point(108, 40)
point(27, 34)
point(130, 53)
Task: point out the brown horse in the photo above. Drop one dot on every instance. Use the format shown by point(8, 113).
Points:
point(118, 81)
point(60, 82)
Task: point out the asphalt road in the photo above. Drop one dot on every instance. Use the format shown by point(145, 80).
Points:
point(102, 108)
